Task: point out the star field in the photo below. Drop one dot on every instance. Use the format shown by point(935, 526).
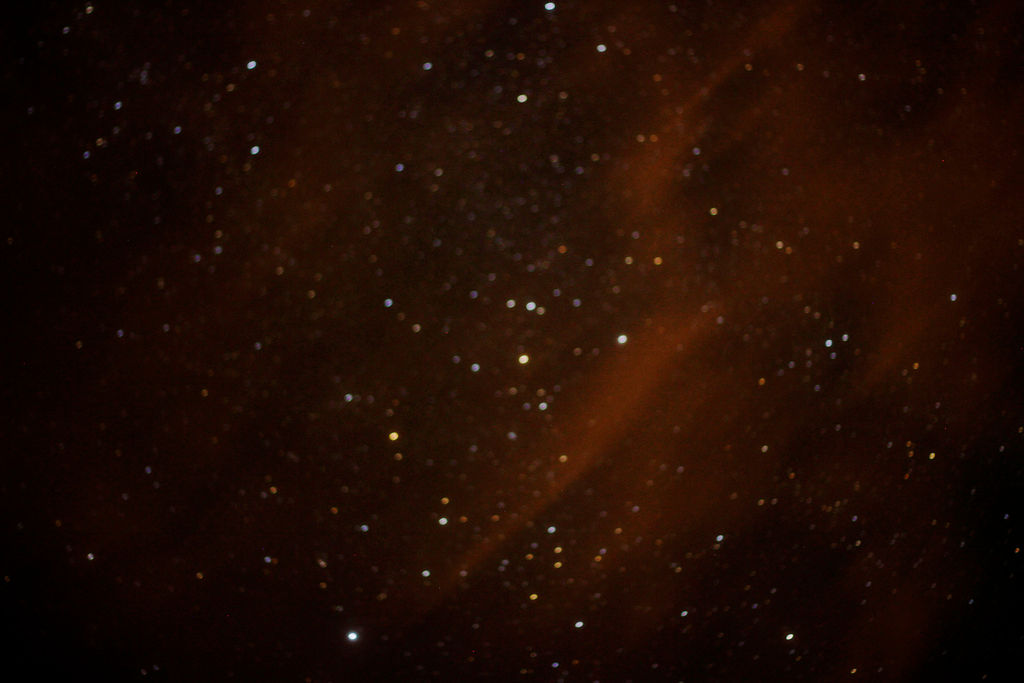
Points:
point(561, 341)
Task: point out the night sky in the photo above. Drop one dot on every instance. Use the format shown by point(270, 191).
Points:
point(512, 340)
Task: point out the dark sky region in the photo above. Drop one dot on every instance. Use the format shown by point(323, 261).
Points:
point(571, 341)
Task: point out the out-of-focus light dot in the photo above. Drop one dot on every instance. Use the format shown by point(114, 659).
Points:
point(861, 77)
point(789, 636)
point(719, 538)
point(549, 6)
point(91, 556)
point(828, 343)
point(399, 167)
point(364, 528)
point(388, 303)
point(512, 436)
point(530, 305)
point(533, 596)
point(118, 105)
point(443, 521)
point(427, 66)
point(251, 65)
point(254, 150)
point(542, 406)
point(524, 359)
point(576, 303)
point(475, 367)
point(521, 98)
point(684, 613)
point(425, 573)
point(551, 530)
point(578, 624)
point(846, 337)
point(713, 211)
point(601, 47)
point(352, 636)
point(622, 339)
point(952, 297)
point(393, 436)
point(511, 303)
point(266, 559)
